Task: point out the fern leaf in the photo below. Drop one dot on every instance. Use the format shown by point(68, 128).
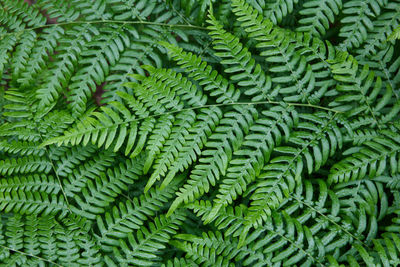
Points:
point(180, 262)
point(184, 88)
point(21, 148)
point(393, 182)
point(6, 46)
point(362, 93)
point(385, 65)
point(312, 147)
point(173, 144)
point(204, 74)
point(357, 21)
point(28, 202)
point(105, 48)
point(373, 159)
point(36, 182)
point(40, 54)
point(30, 15)
point(92, 11)
point(61, 11)
point(108, 126)
point(383, 26)
point(292, 72)
point(318, 15)
point(131, 60)
point(357, 197)
point(156, 140)
point(149, 133)
point(247, 73)
point(194, 142)
point(89, 170)
point(275, 10)
point(229, 219)
point(131, 9)
point(25, 164)
point(66, 159)
point(142, 248)
point(59, 74)
point(266, 133)
point(395, 34)
point(22, 52)
point(131, 215)
point(100, 192)
point(212, 249)
point(226, 139)
point(157, 96)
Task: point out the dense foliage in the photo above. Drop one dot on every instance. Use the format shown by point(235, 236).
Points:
point(200, 133)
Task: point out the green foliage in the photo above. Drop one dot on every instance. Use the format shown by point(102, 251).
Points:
point(395, 34)
point(199, 133)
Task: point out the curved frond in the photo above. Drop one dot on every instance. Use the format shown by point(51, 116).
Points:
point(318, 15)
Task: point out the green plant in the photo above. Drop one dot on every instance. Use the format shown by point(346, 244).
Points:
point(199, 133)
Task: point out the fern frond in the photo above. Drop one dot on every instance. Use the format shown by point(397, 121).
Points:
point(395, 34)
point(187, 91)
point(362, 93)
point(58, 75)
point(364, 198)
point(248, 161)
point(35, 182)
point(101, 53)
point(88, 170)
point(204, 74)
point(67, 159)
point(108, 128)
point(358, 20)
point(385, 65)
point(128, 216)
point(382, 27)
point(28, 202)
point(211, 249)
point(140, 52)
point(142, 248)
point(227, 138)
point(62, 11)
point(11, 21)
point(275, 10)
point(180, 262)
point(156, 140)
point(25, 164)
point(197, 136)
point(141, 133)
point(99, 192)
point(385, 252)
point(292, 72)
point(40, 55)
point(246, 73)
point(229, 219)
point(131, 9)
point(21, 148)
point(312, 146)
point(19, 107)
point(93, 11)
point(391, 181)
point(6, 46)
point(318, 15)
point(31, 16)
point(172, 145)
point(324, 233)
point(374, 158)
point(22, 52)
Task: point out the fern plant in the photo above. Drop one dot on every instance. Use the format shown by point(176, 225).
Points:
point(199, 133)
